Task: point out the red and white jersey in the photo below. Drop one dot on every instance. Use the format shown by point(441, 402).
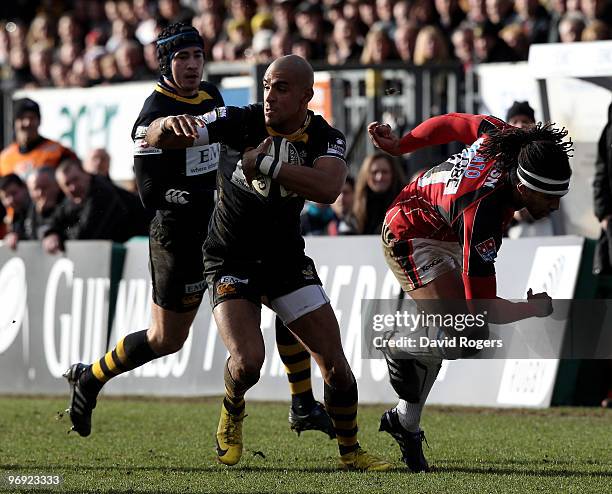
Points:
point(465, 199)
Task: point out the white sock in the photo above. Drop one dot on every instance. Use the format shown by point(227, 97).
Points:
point(409, 414)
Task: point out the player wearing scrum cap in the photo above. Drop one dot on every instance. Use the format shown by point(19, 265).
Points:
point(179, 185)
point(442, 234)
point(254, 249)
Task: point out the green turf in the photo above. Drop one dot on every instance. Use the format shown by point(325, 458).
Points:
point(151, 446)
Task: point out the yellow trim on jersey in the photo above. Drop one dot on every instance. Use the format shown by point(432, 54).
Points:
point(202, 96)
point(298, 135)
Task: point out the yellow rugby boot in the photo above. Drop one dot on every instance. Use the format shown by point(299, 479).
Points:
point(362, 461)
point(229, 437)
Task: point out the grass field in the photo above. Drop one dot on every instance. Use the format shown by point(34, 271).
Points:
point(150, 446)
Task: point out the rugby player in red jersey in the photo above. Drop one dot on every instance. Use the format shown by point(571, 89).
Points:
point(443, 231)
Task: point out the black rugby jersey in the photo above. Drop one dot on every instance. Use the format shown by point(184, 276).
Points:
point(247, 224)
point(178, 183)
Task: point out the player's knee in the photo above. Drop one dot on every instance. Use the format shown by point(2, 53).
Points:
point(337, 373)
point(167, 342)
point(246, 367)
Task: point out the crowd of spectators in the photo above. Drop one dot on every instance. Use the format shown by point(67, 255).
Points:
point(47, 194)
point(82, 43)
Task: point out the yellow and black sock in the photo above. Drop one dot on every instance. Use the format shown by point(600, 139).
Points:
point(297, 365)
point(342, 408)
point(131, 352)
point(234, 391)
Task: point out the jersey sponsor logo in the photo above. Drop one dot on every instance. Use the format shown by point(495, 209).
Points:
point(433, 263)
point(338, 147)
point(141, 148)
point(487, 250)
point(193, 299)
point(201, 159)
point(228, 284)
point(195, 287)
point(493, 177)
point(175, 196)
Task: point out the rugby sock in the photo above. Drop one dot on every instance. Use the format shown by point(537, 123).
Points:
point(234, 392)
point(409, 414)
point(131, 352)
point(297, 365)
point(342, 408)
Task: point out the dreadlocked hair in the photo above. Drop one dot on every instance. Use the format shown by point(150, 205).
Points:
point(539, 147)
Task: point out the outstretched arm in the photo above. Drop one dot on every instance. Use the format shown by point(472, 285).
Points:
point(176, 132)
point(434, 131)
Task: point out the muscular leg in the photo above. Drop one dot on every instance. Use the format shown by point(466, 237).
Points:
point(413, 379)
point(238, 324)
point(168, 332)
point(297, 365)
point(319, 332)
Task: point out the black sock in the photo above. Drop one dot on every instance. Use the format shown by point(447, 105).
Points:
point(342, 408)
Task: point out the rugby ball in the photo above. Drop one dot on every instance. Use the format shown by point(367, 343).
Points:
point(285, 152)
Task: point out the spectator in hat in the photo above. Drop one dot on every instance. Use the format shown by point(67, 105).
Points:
point(30, 150)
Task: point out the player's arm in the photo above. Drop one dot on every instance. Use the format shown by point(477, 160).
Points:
point(462, 127)
point(183, 131)
point(176, 132)
point(480, 234)
point(320, 183)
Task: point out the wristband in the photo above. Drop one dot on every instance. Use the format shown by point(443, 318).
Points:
point(202, 137)
point(267, 165)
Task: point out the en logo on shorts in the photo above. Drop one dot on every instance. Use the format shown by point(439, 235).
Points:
point(487, 250)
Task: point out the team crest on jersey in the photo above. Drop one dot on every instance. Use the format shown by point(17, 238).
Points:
point(308, 273)
point(338, 147)
point(228, 285)
point(487, 250)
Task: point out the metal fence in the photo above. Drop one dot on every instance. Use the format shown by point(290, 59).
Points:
point(399, 94)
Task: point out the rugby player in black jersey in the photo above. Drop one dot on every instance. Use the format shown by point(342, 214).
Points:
point(254, 249)
point(179, 184)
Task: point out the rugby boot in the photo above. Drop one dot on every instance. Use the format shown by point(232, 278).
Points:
point(315, 420)
point(81, 404)
point(410, 443)
point(362, 461)
point(229, 437)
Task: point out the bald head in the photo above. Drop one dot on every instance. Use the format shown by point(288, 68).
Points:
point(288, 88)
point(296, 66)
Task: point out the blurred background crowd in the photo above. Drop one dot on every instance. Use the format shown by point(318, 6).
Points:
point(81, 43)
